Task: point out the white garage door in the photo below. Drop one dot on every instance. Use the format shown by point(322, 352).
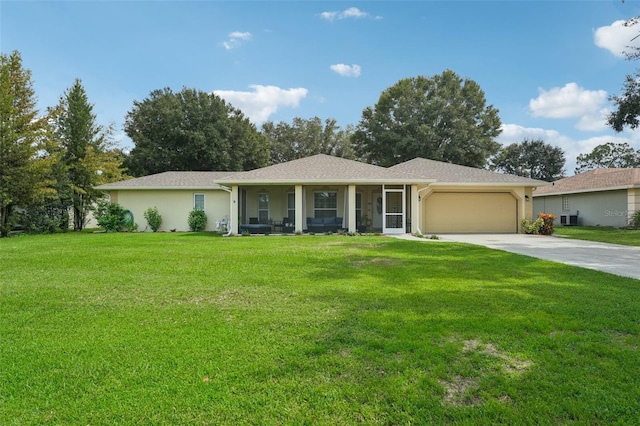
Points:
point(468, 212)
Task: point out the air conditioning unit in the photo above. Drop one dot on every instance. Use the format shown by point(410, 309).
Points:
point(569, 219)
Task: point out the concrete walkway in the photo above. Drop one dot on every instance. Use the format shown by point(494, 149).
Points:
point(611, 258)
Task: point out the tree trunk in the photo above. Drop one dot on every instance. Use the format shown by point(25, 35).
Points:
point(78, 216)
point(5, 227)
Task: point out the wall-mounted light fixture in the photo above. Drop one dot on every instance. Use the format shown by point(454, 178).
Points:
point(419, 198)
point(526, 198)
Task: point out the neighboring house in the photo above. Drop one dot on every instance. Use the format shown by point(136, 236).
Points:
point(600, 197)
point(419, 195)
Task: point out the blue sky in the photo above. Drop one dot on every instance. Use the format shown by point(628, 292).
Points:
point(548, 66)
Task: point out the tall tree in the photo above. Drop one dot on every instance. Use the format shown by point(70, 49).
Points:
point(441, 117)
point(303, 138)
point(86, 153)
point(21, 132)
point(191, 130)
point(627, 105)
point(608, 155)
point(531, 158)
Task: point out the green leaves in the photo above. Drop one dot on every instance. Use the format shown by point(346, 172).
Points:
point(303, 138)
point(608, 155)
point(191, 130)
point(441, 117)
point(21, 131)
point(84, 150)
point(531, 158)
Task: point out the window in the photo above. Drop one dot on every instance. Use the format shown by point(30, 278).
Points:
point(263, 208)
point(358, 208)
point(291, 207)
point(325, 204)
point(198, 201)
point(565, 203)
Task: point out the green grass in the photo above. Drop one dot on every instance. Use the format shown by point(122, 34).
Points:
point(628, 237)
point(109, 329)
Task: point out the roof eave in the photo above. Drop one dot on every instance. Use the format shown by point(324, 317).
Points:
point(586, 190)
point(158, 188)
point(328, 181)
point(495, 184)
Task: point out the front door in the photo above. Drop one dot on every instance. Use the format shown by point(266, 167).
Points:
point(393, 204)
point(376, 211)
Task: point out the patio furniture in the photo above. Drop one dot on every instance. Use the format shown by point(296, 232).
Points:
point(324, 224)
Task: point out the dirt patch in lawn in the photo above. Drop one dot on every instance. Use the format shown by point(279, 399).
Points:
point(461, 391)
point(511, 364)
point(457, 391)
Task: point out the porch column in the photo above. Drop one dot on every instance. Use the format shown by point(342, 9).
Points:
point(352, 208)
point(233, 211)
point(299, 218)
point(415, 208)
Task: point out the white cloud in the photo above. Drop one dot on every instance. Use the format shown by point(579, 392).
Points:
point(235, 39)
point(346, 70)
point(568, 101)
point(263, 101)
point(514, 133)
point(616, 38)
point(572, 101)
point(350, 13)
point(594, 122)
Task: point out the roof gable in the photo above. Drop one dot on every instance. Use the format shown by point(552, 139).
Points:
point(322, 168)
point(454, 173)
point(594, 180)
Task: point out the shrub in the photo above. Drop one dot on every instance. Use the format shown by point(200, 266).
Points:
point(197, 220)
point(45, 219)
point(111, 216)
point(542, 225)
point(547, 225)
point(529, 227)
point(153, 217)
point(634, 222)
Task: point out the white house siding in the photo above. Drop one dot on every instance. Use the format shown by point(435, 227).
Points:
point(174, 206)
point(600, 208)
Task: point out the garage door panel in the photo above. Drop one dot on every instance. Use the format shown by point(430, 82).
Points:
point(454, 212)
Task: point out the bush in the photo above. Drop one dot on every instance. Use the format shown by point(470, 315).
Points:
point(529, 227)
point(153, 217)
point(197, 220)
point(45, 219)
point(634, 222)
point(542, 225)
point(547, 225)
point(113, 217)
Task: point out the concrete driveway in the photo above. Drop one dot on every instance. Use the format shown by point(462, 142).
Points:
point(612, 258)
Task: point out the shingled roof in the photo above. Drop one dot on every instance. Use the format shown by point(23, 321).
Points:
point(323, 168)
point(593, 180)
point(448, 173)
point(170, 180)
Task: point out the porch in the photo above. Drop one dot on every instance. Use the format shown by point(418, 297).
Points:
point(319, 208)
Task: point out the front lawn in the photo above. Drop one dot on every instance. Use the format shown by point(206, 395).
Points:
point(174, 328)
point(628, 237)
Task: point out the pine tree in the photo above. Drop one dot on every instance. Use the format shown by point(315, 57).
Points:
point(21, 133)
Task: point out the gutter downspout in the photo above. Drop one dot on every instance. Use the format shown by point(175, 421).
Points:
point(230, 226)
point(419, 232)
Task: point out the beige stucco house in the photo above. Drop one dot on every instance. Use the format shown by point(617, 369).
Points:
point(322, 192)
point(600, 197)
